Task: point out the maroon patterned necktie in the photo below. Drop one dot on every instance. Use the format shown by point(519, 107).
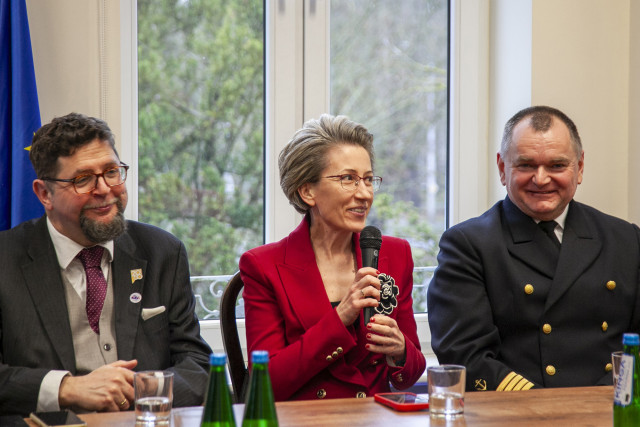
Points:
point(96, 284)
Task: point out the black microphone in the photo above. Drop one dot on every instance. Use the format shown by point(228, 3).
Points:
point(370, 242)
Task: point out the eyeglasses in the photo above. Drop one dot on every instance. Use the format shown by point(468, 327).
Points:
point(350, 181)
point(87, 182)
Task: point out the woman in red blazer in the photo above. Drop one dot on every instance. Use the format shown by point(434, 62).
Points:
point(304, 295)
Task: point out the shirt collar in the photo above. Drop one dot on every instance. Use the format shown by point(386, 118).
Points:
point(67, 249)
point(561, 219)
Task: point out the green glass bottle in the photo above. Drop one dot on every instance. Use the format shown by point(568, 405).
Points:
point(626, 398)
point(217, 411)
point(260, 408)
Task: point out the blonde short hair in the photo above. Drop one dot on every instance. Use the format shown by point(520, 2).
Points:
point(304, 158)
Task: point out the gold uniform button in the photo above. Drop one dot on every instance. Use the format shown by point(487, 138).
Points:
point(329, 358)
point(546, 328)
point(608, 367)
point(374, 362)
point(321, 393)
point(611, 285)
point(528, 289)
point(605, 326)
point(339, 350)
point(399, 378)
point(551, 370)
point(361, 395)
point(335, 354)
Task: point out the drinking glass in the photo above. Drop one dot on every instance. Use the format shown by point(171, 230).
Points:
point(446, 384)
point(153, 397)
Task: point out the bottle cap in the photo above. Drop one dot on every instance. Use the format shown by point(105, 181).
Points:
point(217, 359)
point(259, 356)
point(630, 339)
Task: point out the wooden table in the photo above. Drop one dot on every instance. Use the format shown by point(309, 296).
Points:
point(583, 406)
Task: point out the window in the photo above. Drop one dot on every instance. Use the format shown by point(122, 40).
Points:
point(201, 127)
point(388, 70)
point(206, 170)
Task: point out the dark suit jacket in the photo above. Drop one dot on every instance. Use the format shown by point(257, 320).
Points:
point(35, 332)
point(497, 304)
point(313, 354)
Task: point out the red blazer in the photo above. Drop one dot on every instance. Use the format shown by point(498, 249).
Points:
point(312, 354)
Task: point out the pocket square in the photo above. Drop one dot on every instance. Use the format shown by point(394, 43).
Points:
point(148, 313)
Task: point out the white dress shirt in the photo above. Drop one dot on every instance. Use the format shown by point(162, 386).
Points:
point(72, 273)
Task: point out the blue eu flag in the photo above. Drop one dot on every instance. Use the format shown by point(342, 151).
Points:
point(19, 116)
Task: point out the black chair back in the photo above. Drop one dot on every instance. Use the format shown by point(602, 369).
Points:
point(231, 339)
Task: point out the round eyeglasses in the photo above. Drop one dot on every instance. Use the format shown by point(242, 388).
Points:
point(87, 182)
point(350, 181)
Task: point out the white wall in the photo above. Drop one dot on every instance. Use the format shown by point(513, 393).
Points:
point(634, 113)
point(76, 54)
point(575, 55)
point(581, 65)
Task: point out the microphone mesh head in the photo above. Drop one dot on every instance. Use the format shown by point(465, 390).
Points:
point(370, 237)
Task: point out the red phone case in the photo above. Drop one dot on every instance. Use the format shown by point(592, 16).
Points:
point(397, 402)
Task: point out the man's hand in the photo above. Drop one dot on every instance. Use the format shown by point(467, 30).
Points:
point(108, 388)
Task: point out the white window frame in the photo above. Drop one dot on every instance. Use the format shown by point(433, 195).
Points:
point(297, 89)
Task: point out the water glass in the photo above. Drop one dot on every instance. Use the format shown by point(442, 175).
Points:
point(187, 417)
point(153, 397)
point(446, 384)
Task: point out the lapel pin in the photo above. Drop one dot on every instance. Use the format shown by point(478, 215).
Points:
point(135, 297)
point(136, 275)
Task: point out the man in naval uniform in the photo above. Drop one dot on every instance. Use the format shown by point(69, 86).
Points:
point(86, 297)
point(537, 291)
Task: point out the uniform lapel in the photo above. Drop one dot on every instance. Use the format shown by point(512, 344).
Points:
point(528, 243)
point(581, 238)
point(129, 274)
point(43, 279)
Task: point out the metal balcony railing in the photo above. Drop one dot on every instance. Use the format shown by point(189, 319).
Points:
point(208, 292)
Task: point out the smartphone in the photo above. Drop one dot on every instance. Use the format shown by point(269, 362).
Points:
point(404, 401)
point(57, 418)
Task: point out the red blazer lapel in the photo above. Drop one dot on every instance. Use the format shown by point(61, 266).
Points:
point(301, 278)
point(304, 286)
point(308, 298)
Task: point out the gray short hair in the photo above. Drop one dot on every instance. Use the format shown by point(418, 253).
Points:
point(303, 159)
point(540, 120)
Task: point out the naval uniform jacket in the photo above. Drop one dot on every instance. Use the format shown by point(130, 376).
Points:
point(312, 354)
point(34, 323)
point(499, 305)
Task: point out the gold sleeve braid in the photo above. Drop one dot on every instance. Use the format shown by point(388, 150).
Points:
point(513, 382)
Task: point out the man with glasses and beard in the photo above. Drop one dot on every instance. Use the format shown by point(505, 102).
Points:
point(87, 297)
